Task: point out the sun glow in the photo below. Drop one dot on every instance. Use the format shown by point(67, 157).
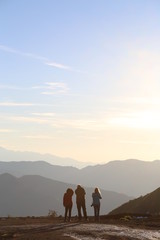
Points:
point(144, 120)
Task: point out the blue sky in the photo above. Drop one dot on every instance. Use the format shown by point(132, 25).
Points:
point(80, 78)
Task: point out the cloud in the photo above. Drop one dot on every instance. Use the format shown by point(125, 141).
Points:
point(57, 65)
point(137, 142)
point(11, 87)
point(89, 124)
point(14, 104)
point(52, 88)
point(18, 104)
point(45, 60)
point(28, 119)
point(7, 49)
point(48, 114)
point(6, 130)
point(141, 101)
point(38, 137)
point(61, 122)
point(15, 51)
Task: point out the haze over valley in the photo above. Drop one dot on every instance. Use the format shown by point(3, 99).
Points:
point(131, 177)
point(10, 155)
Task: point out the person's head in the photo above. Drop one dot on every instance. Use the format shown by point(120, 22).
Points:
point(70, 191)
point(96, 190)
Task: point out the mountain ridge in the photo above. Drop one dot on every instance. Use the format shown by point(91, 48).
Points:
point(33, 195)
point(10, 155)
point(132, 178)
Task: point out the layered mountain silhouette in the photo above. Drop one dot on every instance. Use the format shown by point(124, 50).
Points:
point(148, 204)
point(131, 177)
point(9, 155)
point(35, 196)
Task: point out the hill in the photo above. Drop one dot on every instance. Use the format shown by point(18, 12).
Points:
point(148, 204)
point(131, 177)
point(36, 195)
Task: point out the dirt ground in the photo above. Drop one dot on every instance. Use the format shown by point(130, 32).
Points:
point(124, 227)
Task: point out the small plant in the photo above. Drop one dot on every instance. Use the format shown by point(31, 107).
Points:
point(52, 213)
point(126, 218)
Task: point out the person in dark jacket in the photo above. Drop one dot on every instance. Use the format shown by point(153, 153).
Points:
point(80, 201)
point(96, 196)
point(67, 203)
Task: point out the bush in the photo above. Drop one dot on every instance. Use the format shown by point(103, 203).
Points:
point(52, 213)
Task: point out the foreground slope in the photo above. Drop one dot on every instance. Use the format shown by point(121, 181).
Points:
point(148, 204)
point(36, 195)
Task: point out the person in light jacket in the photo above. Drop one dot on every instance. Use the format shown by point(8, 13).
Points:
point(96, 196)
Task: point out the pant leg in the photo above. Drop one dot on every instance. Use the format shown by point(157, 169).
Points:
point(70, 211)
point(84, 209)
point(79, 210)
point(66, 212)
point(96, 212)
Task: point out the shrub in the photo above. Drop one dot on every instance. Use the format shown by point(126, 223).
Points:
point(52, 213)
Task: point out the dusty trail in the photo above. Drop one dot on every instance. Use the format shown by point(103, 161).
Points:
point(77, 231)
point(103, 231)
point(39, 227)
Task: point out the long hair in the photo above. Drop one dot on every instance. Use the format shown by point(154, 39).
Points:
point(97, 190)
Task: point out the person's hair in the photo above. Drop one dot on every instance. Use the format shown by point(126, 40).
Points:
point(96, 190)
point(70, 191)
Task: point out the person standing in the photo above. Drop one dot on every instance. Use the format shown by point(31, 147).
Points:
point(67, 203)
point(80, 201)
point(96, 196)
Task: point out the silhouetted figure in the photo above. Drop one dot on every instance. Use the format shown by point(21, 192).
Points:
point(67, 203)
point(96, 196)
point(80, 201)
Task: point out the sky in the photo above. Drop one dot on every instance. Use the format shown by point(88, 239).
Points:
point(81, 78)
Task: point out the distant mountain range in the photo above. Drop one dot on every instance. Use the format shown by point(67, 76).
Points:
point(131, 177)
point(36, 195)
point(148, 204)
point(9, 155)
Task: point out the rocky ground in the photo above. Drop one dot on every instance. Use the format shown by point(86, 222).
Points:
point(124, 227)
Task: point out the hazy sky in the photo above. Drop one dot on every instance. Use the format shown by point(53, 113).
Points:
point(81, 78)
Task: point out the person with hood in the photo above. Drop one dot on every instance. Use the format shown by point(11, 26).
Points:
point(96, 196)
point(80, 201)
point(67, 203)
